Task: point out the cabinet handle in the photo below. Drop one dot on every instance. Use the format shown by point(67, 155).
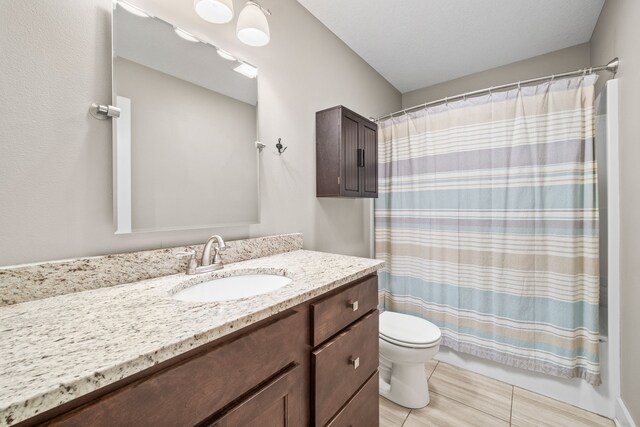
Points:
point(353, 305)
point(355, 362)
point(360, 157)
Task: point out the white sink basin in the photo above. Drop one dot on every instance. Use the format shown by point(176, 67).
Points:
point(231, 288)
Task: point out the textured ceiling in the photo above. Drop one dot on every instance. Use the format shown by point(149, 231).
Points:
point(418, 43)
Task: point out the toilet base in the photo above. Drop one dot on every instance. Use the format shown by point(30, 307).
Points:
point(407, 385)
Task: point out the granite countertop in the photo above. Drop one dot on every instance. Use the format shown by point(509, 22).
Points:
point(56, 349)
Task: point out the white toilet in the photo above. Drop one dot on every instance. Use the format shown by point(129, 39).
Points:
point(406, 344)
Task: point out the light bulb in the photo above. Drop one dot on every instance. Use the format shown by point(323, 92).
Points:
point(247, 70)
point(226, 55)
point(185, 35)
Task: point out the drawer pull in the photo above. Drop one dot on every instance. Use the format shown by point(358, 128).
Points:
point(353, 305)
point(355, 362)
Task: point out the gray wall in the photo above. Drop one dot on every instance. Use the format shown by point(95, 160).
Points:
point(563, 60)
point(617, 34)
point(55, 159)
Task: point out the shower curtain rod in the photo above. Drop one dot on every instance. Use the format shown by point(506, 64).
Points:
point(612, 67)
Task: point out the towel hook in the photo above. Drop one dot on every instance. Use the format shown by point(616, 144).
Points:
point(280, 147)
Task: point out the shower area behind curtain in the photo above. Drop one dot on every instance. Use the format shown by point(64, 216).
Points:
point(487, 218)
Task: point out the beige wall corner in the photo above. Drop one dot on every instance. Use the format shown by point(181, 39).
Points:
point(617, 34)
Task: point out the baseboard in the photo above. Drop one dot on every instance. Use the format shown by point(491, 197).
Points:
point(623, 417)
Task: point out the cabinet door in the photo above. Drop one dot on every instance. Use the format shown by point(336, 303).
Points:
point(279, 403)
point(351, 145)
point(369, 160)
point(363, 408)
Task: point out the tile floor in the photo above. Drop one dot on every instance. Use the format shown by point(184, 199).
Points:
point(463, 398)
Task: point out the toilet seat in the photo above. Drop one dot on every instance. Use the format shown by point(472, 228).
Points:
point(409, 345)
point(408, 331)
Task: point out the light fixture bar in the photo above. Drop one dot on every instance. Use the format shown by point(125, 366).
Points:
point(263, 9)
point(134, 10)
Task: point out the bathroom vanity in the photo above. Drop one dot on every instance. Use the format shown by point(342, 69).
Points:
point(306, 354)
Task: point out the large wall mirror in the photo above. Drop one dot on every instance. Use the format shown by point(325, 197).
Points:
point(185, 152)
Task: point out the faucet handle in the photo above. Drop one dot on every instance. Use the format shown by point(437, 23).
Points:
point(188, 252)
point(193, 263)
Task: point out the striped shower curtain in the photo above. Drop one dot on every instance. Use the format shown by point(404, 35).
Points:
point(487, 219)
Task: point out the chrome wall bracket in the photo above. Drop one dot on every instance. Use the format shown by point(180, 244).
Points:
point(104, 112)
point(260, 146)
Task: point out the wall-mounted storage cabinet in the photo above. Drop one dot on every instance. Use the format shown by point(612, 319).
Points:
point(346, 154)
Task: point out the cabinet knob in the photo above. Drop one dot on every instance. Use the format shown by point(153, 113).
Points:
point(353, 304)
point(355, 362)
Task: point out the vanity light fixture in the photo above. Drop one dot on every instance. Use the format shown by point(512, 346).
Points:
point(247, 70)
point(252, 27)
point(135, 10)
point(226, 55)
point(214, 11)
point(185, 35)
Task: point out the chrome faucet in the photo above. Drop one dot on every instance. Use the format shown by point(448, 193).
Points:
point(208, 262)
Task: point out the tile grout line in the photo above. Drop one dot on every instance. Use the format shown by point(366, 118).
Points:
point(434, 370)
point(406, 418)
point(469, 406)
point(473, 407)
point(513, 390)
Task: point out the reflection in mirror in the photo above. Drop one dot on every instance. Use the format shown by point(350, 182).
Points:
point(184, 147)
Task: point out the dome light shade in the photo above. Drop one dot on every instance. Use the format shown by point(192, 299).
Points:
point(253, 28)
point(214, 11)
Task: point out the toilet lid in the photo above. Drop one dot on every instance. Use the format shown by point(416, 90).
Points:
point(406, 329)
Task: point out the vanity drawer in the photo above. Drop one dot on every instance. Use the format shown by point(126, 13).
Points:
point(343, 365)
point(193, 390)
point(334, 313)
point(363, 409)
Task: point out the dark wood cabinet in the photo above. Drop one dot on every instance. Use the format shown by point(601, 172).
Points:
point(345, 358)
point(343, 365)
point(312, 365)
point(346, 154)
point(362, 410)
point(276, 404)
